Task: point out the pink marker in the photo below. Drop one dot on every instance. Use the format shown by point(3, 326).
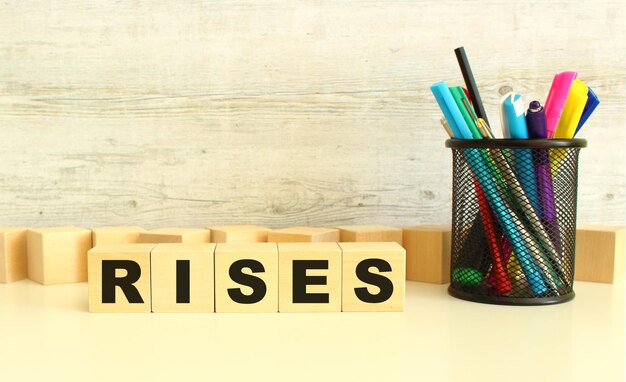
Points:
point(557, 96)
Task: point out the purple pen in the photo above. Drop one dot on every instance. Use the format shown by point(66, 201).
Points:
point(536, 121)
point(537, 129)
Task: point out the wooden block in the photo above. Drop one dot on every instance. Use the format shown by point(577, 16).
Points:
point(58, 255)
point(303, 234)
point(176, 235)
point(119, 278)
point(12, 254)
point(427, 253)
point(365, 233)
point(373, 277)
point(599, 253)
point(239, 234)
point(115, 235)
point(246, 277)
point(309, 278)
point(182, 277)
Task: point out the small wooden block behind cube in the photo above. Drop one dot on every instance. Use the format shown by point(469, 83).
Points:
point(373, 277)
point(310, 277)
point(239, 234)
point(119, 278)
point(182, 277)
point(115, 235)
point(427, 253)
point(58, 255)
point(599, 253)
point(176, 235)
point(365, 233)
point(246, 277)
point(12, 254)
point(303, 234)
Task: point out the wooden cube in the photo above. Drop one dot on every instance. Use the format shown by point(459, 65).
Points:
point(599, 253)
point(239, 234)
point(246, 277)
point(58, 255)
point(115, 235)
point(303, 234)
point(365, 233)
point(373, 277)
point(182, 277)
point(310, 277)
point(427, 253)
point(119, 278)
point(176, 235)
point(12, 254)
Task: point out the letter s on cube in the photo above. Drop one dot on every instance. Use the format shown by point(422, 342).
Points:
point(373, 277)
point(246, 277)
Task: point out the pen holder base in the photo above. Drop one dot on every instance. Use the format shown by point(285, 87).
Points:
point(496, 300)
point(514, 220)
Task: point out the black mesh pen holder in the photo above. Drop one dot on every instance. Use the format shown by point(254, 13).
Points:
point(514, 220)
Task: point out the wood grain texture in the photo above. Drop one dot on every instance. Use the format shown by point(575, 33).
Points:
point(277, 113)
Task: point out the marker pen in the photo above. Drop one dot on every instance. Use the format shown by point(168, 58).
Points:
point(537, 128)
point(572, 111)
point(590, 106)
point(557, 96)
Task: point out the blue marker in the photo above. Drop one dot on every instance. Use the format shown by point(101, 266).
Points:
point(590, 106)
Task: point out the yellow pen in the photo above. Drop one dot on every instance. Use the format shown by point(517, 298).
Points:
point(573, 110)
point(566, 128)
point(484, 129)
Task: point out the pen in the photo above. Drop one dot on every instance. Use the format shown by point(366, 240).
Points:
point(484, 129)
point(468, 77)
point(450, 111)
point(469, 97)
point(536, 121)
point(513, 108)
point(570, 117)
point(590, 106)
point(498, 275)
point(466, 110)
point(572, 111)
point(537, 129)
point(504, 123)
point(446, 127)
point(557, 96)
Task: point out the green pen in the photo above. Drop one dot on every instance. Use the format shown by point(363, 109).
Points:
point(466, 110)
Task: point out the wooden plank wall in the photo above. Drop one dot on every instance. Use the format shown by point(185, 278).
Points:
point(278, 113)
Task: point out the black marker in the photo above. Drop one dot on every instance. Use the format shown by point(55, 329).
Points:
point(468, 77)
